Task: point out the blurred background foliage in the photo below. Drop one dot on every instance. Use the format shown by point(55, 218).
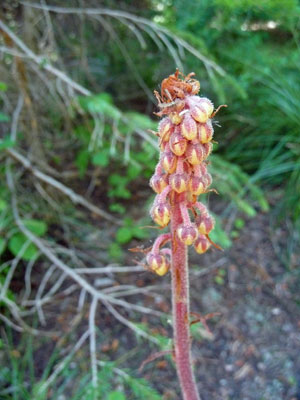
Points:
point(95, 139)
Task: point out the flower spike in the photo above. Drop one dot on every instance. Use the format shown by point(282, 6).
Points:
point(185, 139)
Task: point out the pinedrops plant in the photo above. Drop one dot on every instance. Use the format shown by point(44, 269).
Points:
point(185, 139)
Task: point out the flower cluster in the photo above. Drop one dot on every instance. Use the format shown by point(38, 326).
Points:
point(185, 135)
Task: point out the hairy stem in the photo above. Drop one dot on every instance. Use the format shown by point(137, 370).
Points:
point(181, 311)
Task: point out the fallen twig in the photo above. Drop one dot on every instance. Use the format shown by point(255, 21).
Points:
point(76, 198)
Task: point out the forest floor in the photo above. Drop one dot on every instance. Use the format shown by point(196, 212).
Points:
point(252, 349)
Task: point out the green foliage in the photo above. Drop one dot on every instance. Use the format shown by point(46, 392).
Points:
point(19, 245)
point(3, 86)
point(235, 184)
point(265, 9)
point(115, 251)
point(12, 239)
point(163, 342)
point(219, 236)
point(257, 43)
point(6, 142)
point(2, 245)
point(139, 121)
point(140, 388)
point(120, 170)
point(37, 227)
point(239, 224)
point(117, 208)
point(9, 295)
point(3, 205)
point(82, 161)
point(3, 223)
point(4, 117)
point(19, 377)
point(103, 104)
point(101, 158)
point(124, 235)
point(220, 276)
point(100, 103)
point(136, 388)
point(129, 231)
point(118, 186)
point(116, 395)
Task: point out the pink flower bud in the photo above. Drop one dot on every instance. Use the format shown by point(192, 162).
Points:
point(160, 214)
point(203, 168)
point(179, 182)
point(159, 182)
point(175, 118)
point(201, 244)
point(158, 263)
point(207, 104)
point(178, 144)
point(169, 162)
point(165, 128)
point(202, 109)
point(207, 179)
point(189, 127)
point(187, 234)
point(205, 132)
point(195, 153)
point(207, 147)
point(163, 146)
point(197, 185)
point(205, 224)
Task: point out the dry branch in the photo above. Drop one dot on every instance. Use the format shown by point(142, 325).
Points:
point(76, 198)
point(43, 63)
point(133, 18)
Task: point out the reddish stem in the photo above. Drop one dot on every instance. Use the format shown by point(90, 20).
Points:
point(181, 310)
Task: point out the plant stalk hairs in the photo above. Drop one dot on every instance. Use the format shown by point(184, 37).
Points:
point(185, 134)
